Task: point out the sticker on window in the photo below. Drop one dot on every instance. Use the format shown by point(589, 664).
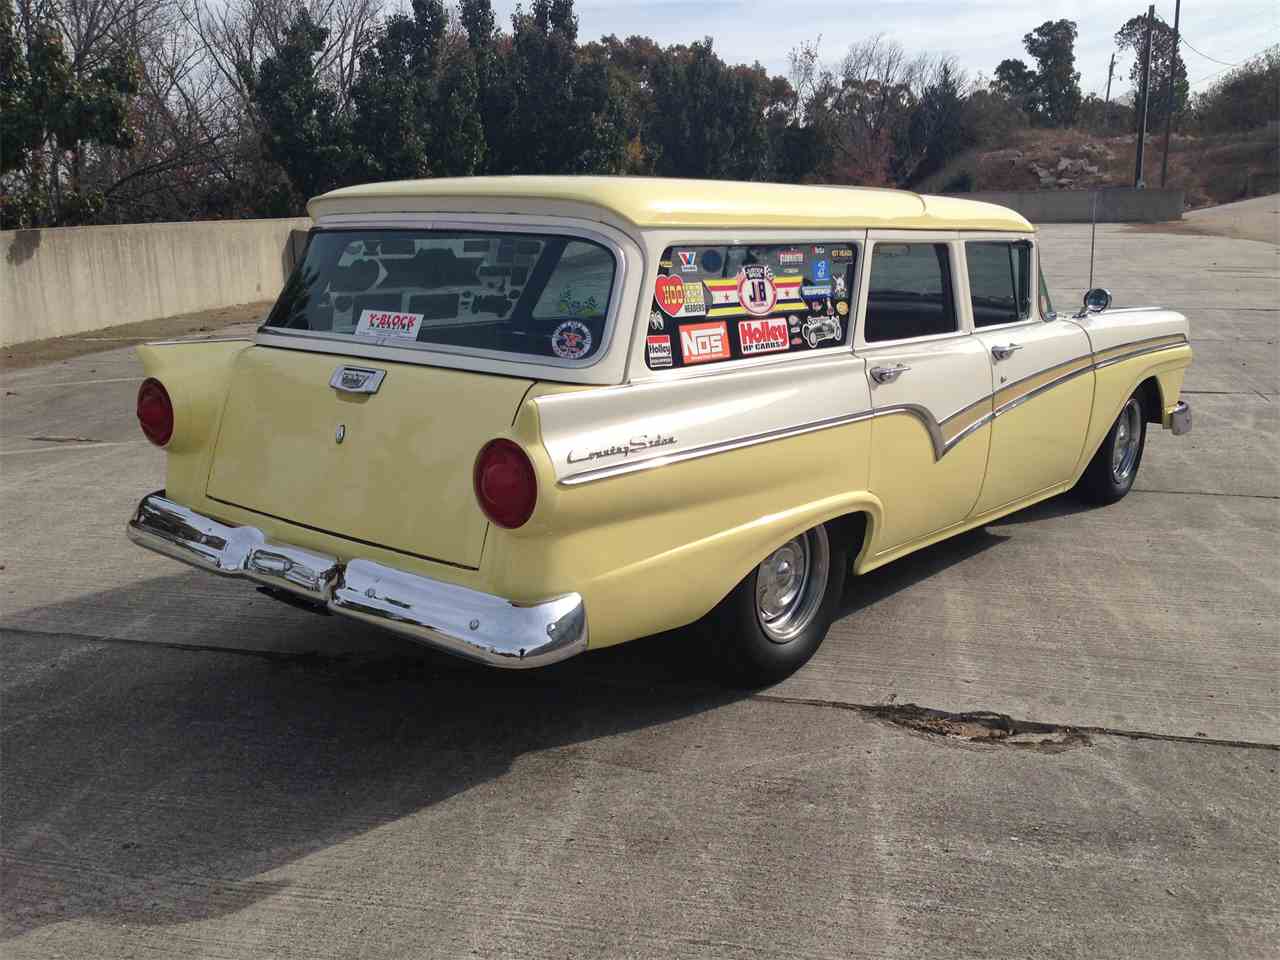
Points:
point(676, 298)
point(659, 349)
point(703, 342)
point(571, 340)
point(762, 336)
point(385, 323)
point(756, 292)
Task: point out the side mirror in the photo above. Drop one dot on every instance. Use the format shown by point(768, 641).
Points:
point(1097, 300)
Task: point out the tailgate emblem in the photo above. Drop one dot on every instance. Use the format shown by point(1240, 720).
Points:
point(357, 379)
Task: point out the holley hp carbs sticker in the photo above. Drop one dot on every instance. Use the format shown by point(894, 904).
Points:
point(763, 336)
point(386, 323)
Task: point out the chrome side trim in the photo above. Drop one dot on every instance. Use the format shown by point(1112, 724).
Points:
point(446, 616)
point(936, 429)
point(722, 446)
point(1057, 382)
point(1142, 352)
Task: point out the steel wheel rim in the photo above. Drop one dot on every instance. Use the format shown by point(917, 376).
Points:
point(1124, 451)
point(790, 585)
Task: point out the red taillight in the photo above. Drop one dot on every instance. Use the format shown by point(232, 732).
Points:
point(506, 485)
point(155, 411)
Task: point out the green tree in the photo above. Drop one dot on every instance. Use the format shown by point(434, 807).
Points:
point(1056, 99)
point(298, 118)
point(940, 128)
point(51, 113)
point(1247, 97)
point(1166, 67)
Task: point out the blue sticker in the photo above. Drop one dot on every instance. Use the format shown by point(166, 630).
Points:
point(821, 271)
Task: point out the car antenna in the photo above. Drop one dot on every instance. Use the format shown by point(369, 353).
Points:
point(1093, 233)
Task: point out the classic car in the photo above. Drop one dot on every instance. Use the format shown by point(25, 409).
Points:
point(517, 418)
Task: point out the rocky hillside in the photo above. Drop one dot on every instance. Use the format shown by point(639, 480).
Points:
point(1209, 169)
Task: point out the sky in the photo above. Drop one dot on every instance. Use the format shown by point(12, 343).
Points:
point(978, 34)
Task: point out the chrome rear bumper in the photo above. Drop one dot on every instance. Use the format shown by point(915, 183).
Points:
point(1180, 419)
point(446, 616)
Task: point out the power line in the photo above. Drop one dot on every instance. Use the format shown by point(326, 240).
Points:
point(1229, 66)
point(1206, 56)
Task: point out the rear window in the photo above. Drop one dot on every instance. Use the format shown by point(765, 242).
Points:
point(535, 295)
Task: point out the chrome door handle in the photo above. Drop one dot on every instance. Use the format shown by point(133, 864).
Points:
point(888, 374)
point(1005, 352)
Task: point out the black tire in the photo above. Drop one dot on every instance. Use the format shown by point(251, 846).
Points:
point(744, 651)
point(1111, 472)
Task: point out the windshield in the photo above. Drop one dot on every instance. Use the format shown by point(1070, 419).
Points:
point(517, 293)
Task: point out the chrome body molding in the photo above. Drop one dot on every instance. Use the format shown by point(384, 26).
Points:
point(710, 416)
point(448, 617)
point(1180, 419)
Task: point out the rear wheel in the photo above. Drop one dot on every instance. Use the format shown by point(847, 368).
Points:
point(1114, 467)
point(776, 618)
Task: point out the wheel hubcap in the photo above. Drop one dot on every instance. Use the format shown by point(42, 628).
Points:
point(1124, 451)
point(790, 585)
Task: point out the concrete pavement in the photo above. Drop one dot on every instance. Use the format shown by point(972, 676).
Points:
point(192, 769)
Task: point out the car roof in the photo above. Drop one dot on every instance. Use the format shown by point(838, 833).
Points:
point(655, 202)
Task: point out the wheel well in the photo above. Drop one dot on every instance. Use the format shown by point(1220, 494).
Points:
point(1152, 406)
point(849, 531)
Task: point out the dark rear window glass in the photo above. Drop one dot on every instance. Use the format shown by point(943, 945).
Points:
point(717, 303)
point(529, 294)
point(999, 281)
point(909, 293)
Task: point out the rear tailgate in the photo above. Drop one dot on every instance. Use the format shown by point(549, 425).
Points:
point(400, 477)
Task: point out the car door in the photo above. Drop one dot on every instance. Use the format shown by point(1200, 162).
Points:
point(930, 384)
point(1041, 370)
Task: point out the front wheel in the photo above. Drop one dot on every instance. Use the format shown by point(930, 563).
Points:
point(777, 617)
point(1114, 467)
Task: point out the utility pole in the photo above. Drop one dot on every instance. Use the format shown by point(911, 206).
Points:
point(1146, 97)
point(1106, 105)
point(1168, 104)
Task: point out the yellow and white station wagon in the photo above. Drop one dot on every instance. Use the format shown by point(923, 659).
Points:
point(520, 418)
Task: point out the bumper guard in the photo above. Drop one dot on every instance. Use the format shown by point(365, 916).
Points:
point(1180, 419)
point(456, 619)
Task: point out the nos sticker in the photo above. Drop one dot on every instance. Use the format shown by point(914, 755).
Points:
point(385, 323)
point(571, 340)
point(762, 336)
point(701, 342)
point(756, 292)
point(676, 298)
point(659, 349)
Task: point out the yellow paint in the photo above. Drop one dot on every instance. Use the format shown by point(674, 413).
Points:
point(658, 202)
point(401, 477)
point(1037, 443)
point(648, 551)
point(920, 493)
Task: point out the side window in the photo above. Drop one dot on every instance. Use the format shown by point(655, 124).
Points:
point(999, 281)
point(910, 292)
point(718, 303)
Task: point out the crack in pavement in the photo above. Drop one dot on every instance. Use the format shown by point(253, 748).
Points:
point(955, 725)
point(976, 726)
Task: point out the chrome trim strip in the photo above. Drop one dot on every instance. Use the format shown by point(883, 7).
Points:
point(446, 616)
point(1019, 400)
point(936, 429)
point(1139, 353)
point(720, 446)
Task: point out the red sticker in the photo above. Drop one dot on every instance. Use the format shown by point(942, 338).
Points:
point(669, 292)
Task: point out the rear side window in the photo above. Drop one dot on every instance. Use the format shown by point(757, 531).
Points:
point(717, 303)
point(910, 292)
point(999, 281)
point(526, 294)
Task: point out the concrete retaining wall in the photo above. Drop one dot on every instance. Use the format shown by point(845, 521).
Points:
point(71, 280)
point(1115, 205)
